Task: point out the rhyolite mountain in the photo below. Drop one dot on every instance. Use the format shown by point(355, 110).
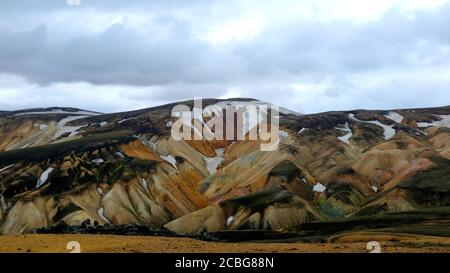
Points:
point(333, 171)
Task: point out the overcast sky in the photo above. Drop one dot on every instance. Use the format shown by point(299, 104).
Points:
point(310, 56)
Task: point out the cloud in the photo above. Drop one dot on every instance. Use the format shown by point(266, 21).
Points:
point(313, 57)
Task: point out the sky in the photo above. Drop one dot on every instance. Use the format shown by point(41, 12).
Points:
point(310, 56)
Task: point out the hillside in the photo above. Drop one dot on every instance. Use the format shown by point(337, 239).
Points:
point(332, 172)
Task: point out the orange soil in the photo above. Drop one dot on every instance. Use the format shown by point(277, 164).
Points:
point(139, 150)
point(138, 244)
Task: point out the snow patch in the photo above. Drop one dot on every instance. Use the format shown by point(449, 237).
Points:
point(230, 220)
point(25, 146)
point(375, 189)
point(302, 130)
point(319, 187)
point(445, 122)
point(5, 168)
point(395, 117)
point(420, 132)
point(171, 160)
point(346, 138)
point(41, 126)
point(123, 120)
point(258, 103)
point(149, 144)
point(59, 111)
point(144, 184)
point(98, 161)
point(63, 129)
point(103, 123)
point(214, 162)
point(101, 213)
point(100, 191)
point(389, 131)
point(44, 177)
point(283, 134)
point(119, 154)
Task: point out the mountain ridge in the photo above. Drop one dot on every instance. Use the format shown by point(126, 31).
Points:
point(123, 168)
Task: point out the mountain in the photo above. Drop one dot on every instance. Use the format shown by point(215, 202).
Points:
point(332, 172)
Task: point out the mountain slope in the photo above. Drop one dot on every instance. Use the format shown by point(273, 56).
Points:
point(68, 165)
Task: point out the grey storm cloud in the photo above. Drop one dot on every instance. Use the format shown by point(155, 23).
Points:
point(120, 55)
point(164, 59)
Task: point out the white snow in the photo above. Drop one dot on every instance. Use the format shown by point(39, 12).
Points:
point(103, 123)
point(230, 220)
point(125, 119)
point(59, 111)
point(119, 154)
point(43, 126)
point(63, 129)
point(214, 162)
point(375, 189)
point(100, 191)
point(144, 184)
point(171, 160)
point(5, 168)
point(420, 132)
point(389, 132)
point(44, 177)
point(26, 145)
point(101, 212)
point(236, 104)
point(169, 124)
point(445, 122)
point(304, 180)
point(148, 143)
point(283, 134)
point(302, 130)
point(346, 138)
point(319, 188)
point(218, 108)
point(98, 161)
point(258, 103)
point(395, 117)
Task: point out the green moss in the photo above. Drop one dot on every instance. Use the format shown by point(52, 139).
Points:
point(436, 179)
point(285, 168)
point(262, 199)
point(51, 151)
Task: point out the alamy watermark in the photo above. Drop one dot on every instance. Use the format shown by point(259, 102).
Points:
point(374, 247)
point(228, 121)
point(74, 247)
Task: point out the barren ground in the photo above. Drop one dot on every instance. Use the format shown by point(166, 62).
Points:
point(146, 244)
